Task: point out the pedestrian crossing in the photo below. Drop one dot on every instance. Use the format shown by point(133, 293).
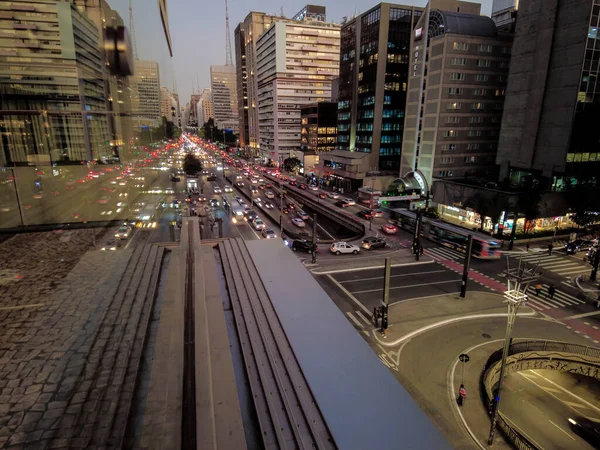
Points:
point(558, 264)
point(443, 253)
point(543, 301)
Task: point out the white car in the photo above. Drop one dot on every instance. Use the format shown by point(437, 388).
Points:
point(313, 187)
point(258, 224)
point(258, 200)
point(123, 232)
point(303, 215)
point(269, 205)
point(298, 222)
point(217, 190)
point(350, 201)
point(334, 195)
point(268, 233)
point(269, 194)
point(344, 247)
point(228, 188)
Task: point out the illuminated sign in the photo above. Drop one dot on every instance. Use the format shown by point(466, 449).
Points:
point(418, 34)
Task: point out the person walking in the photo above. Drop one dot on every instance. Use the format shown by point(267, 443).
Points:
point(550, 247)
point(551, 291)
point(538, 289)
point(527, 246)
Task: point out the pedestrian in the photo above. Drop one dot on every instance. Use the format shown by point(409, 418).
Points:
point(538, 289)
point(527, 246)
point(551, 291)
point(462, 394)
point(550, 247)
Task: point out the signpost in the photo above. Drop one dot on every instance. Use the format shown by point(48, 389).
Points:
point(463, 358)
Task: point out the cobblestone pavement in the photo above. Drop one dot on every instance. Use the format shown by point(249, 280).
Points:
point(49, 318)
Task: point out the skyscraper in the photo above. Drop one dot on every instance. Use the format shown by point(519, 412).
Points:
point(165, 103)
point(224, 97)
point(296, 61)
point(242, 84)
point(205, 107)
point(145, 85)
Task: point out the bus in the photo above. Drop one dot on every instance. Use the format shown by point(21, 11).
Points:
point(235, 209)
point(484, 246)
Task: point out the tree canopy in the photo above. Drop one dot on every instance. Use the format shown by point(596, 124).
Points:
point(292, 164)
point(191, 165)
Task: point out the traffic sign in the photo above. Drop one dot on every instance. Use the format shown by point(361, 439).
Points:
point(464, 358)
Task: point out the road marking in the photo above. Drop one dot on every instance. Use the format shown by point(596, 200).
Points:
point(361, 315)
point(354, 319)
point(561, 429)
point(392, 276)
point(352, 297)
point(569, 392)
point(12, 308)
point(355, 269)
point(579, 316)
point(407, 286)
point(575, 405)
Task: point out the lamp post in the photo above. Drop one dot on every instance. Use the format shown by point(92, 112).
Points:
point(518, 280)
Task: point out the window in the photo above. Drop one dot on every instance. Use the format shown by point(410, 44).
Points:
point(389, 126)
point(448, 160)
point(475, 119)
point(457, 76)
point(498, 106)
point(479, 91)
point(474, 133)
point(473, 147)
point(502, 64)
point(455, 91)
point(387, 99)
point(344, 116)
point(478, 106)
point(481, 77)
point(470, 159)
point(485, 48)
point(363, 127)
point(450, 133)
point(366, 101)
point(461, 46)
point(449, 147)
point(365, 114)
point(501, 78)
point(483, 63)
point(454, 105)
point(393, 113)
point(507, 50)
point(459, 61)
point(452, 119)
point(496, 119)
point(445, 173)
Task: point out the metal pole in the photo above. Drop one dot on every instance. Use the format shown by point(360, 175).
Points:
point(314, 240)
point(512, 315)
point(595, 264)
point(513, 232)
point(417, 237)
point(386, 294)
point(462, 377)
point(465, 277)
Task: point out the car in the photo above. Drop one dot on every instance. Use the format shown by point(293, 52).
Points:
point(334, 195)
point(254, 180)
point(249, 216)
point(269, 194)
point(291, 206)
point(268, 233)
point(350, 201)
point(313, 187)
point(302, 245)
point(342, 204)
point(365, 214)
point(268, 185)
point(228, 188)
point(102, 200)
point(205, 172)
point(240, 184)
point(388, 228)
point(303, 186)
point(214, 202)
point(298, 222)
point(111, 244)
point(269, 205)
point(123, 232)
point(201, 198)
point(377, 213)
point(322, 195)
point(344, 247)
point(258, 224)
point(257, 200)
point(216, 189)
point(285, 210)
point(293, 183)
point(211, 177)
point(577, 245)
point(372, 242)
point(261, 186)
point(587, 429)
point(303, 215)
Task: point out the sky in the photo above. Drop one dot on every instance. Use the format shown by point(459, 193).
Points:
point(198, 32)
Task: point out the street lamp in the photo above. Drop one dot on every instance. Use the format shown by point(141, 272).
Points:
point(518, 280)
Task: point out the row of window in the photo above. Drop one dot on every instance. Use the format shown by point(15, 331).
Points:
point(476, 91)
point(466, 160)
point(477, 106)
point(471, 146)
point(471, 133)
point(484, 48)
point(460, 76)
point(472, 119)
point(583, 157)
point(479, 63)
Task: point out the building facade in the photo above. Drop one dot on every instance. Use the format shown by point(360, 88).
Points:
point(192, 115)
point(224, 97)
point(165, 103)
point(319, 127)
point(454, 108)
point(205, 107)
point(145, 87)
point(504, 14)
point(296, 62)
point(242, 84)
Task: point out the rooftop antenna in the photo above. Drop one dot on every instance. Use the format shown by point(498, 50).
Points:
point(132, 32)
point(228, 58)
point(281, 12)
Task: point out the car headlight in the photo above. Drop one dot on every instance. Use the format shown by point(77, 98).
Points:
point(572, 421)
point(116, 235)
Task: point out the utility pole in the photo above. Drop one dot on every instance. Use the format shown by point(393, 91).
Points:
point(386, 295)
point(595, 263)
point(313, 247)
point(513, 231)
point(465, 277)
point(417, 237)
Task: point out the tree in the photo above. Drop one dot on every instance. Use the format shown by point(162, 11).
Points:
point(292, 164)
point(584, 198)
point(191, 165)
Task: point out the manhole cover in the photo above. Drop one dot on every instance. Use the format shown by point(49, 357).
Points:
point(485, 335)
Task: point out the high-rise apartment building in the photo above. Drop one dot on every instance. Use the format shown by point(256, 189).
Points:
point(454, 107)
point(552, 112)
point(166, 101)
point(224, 97)
point(145, 86)
point(205, 107)
point(53, 102)
point(252, 27)
point(295, 61)
point(242, 84)
point(192, 116)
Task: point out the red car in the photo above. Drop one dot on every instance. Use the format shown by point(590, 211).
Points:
point(389, 229)
point(268, 185)
point(322, 195)
point(285, 210)
point(303, 186)
point(293, 183)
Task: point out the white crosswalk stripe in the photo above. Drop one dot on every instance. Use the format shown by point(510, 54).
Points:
point(554, 263)
point(443, 252)
point(544, 302)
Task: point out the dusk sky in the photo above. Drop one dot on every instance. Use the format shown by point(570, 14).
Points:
point(198, 31)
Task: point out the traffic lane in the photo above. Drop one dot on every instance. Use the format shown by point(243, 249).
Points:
point(541, 410)
point(356, 275)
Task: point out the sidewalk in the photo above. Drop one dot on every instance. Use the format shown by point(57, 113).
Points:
point(591, 289)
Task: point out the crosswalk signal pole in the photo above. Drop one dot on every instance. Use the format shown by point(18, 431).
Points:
point(465, 277)
point(386, 295)
point(417, 237)
point(595, 264)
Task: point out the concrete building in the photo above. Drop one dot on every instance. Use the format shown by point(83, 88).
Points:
point(504, 14)
point(451, 126)
point(242, 84)
point(53, 102)
point(224, 97)
point(252, 27)
point(311, 12)
point(206, 107)
point(165, 103)
point(551, 112)
point(296, 62)
point(372, 95)
point(319, 127)
point(145, 86)
point(192, 116)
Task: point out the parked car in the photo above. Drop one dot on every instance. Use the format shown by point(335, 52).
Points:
point(268, 233)
point(372, 242)
point(344, 247)
point(301, 245)
point(298, 222)
point(388, 228)
point(334, 195)
point(342, 204)
point(303, 215)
